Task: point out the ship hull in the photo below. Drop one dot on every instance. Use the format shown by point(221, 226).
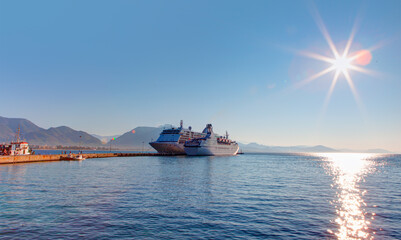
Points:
point(172, 148)
point(212, 150)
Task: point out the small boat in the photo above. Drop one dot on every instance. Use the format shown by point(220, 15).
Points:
point(71, 157)
point(79, 157)
point(16, 147)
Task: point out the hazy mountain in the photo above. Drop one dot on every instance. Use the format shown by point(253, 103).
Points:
point(318, 148)
point(105, 139)
point(140, 138)
point(62, 136)
point(377, 150)
point(39, 136)
point(8, 128)
point(258, 148)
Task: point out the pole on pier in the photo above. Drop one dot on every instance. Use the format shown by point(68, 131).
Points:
point(80, 137)
point(111, 142)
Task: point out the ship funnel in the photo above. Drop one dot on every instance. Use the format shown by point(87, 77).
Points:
point(208, 128)
point(181, 123)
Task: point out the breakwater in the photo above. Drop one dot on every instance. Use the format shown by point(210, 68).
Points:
point(62, 157)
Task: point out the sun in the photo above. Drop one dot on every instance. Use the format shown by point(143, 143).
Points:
point(342, 64)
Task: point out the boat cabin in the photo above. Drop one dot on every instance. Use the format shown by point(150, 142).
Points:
point(15, 148)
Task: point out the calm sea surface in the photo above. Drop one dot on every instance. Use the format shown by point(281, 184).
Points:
point(273, 196)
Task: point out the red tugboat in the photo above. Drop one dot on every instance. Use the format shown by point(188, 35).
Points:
point(16, 147)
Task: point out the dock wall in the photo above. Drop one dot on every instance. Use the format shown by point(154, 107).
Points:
point(61, 157)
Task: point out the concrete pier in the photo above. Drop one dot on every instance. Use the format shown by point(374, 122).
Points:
point(61, 157)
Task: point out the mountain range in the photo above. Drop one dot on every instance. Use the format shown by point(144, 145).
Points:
point(135, 139)
point(105, 139)
point(35, 135)
point(258, 148)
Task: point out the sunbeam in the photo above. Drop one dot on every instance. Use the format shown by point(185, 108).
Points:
point(333, 84)
point(351, 85)
point(325, 33)
point(315, 56)
point(317, 75)
point(363, 70)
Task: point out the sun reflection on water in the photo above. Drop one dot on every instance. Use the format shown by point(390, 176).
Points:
point(348, 170)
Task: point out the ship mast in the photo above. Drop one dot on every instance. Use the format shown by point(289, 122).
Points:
point(18, 134)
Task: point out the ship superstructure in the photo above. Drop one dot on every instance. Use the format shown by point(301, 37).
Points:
point(211, 144)
point(16, 147)
point(172, 140)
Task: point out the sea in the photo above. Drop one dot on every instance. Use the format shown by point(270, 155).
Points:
point(249, 196)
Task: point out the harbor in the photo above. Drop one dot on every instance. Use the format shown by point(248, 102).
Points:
point(19, 152)
point(11, 159)
point(172, 141)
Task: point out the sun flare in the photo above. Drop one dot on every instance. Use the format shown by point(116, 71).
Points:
point(340, 64)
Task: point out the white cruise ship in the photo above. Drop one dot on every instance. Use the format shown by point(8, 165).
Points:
point(211, 144)
point(171, 141)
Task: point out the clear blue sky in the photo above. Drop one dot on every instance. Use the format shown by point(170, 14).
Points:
point(106, 67)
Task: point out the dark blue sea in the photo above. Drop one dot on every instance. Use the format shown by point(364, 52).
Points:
point(250, 196)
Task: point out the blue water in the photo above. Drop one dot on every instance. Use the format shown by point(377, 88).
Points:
point(61, 151)
point(274, 196)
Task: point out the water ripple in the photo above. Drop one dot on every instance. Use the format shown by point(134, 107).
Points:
point(243, 197)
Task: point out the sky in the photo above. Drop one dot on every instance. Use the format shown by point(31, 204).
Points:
point(106, 67)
